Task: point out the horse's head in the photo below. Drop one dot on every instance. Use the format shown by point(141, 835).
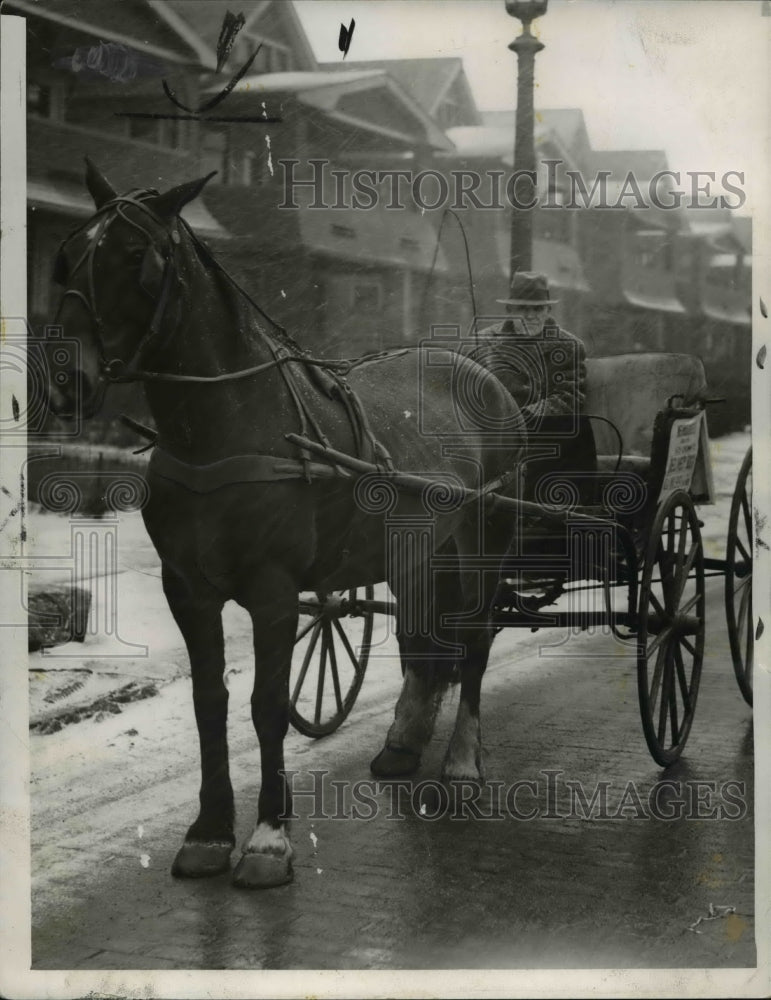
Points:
point(118, 270)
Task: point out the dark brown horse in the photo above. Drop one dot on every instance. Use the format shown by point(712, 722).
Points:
point(236, 512)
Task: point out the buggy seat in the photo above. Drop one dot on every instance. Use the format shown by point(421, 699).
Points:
point(629, 390)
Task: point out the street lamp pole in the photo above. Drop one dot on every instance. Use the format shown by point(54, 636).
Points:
point(526, 46)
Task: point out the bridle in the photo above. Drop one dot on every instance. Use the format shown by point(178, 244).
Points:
point(155, 279)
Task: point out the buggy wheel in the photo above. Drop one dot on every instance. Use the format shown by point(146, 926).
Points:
point(330, 659)
point(738, 579)
point(670, 638)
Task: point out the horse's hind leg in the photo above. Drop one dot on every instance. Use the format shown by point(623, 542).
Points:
point(210, 839)
point(428, 662)
point(267, 854)
point(463, 760)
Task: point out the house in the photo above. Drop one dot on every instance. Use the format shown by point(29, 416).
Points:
point(342, 280)
point(438, 85)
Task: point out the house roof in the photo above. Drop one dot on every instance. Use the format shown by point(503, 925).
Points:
point(71, 199)
point(643, 163)
point(199, 23)
point(132, 24)
point(567, 123)
point(497, 142)
point(323, 90)
point(427, 80)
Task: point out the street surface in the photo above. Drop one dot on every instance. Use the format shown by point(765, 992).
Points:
point(573, 886)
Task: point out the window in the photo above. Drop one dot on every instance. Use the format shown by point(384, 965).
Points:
point(367, 296)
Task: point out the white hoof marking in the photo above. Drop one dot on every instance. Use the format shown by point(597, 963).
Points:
point(268, 839)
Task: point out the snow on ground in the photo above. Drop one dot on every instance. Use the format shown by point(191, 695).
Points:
point(134, 646)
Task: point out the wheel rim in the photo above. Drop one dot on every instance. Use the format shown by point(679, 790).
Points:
point(330, 659)
point(670, 638)
point(738, 579)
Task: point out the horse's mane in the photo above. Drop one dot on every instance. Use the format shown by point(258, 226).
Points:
point(276, 332)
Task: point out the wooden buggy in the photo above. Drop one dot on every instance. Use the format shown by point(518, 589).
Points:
point(625, 520)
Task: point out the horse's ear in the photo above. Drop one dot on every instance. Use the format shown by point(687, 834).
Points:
point(98, 186)
point(171, 203)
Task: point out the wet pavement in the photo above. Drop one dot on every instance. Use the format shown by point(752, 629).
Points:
point(624, 887)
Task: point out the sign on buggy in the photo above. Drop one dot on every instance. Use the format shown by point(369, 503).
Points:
point(688, 467)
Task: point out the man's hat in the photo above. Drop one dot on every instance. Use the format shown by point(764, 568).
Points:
point(528, 290)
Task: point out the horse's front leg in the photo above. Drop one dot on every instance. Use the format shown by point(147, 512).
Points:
point(267, 854)
point(210, 840)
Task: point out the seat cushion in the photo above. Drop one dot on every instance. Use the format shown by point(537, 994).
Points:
point(630, 389)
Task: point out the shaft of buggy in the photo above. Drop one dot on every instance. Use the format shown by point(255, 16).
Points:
point(416, 484)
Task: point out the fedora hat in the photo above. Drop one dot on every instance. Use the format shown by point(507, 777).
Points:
point(528, 290)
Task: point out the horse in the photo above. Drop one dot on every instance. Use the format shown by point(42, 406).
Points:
point(238, 512)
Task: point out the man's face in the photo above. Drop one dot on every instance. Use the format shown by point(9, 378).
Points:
point(533, 317)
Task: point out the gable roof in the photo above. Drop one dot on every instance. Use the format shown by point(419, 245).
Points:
point(567, 123)
point(497, 142)
point(427, 80)
point(195, 19)
point(324, 91)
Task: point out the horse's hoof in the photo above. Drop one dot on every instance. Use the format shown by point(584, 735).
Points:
point(198, 860)
point(262, 871)
point(395, 762)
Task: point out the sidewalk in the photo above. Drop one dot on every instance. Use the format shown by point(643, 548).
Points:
point(133, 646)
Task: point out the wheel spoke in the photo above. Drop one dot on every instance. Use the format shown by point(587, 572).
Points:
point(743, 584)
point(348, 647)
point(670, 533)
point(746, 512)
point(657, 604)
point(684, 642)
point(681, 543)
point(662, 637)
point(673, 710)
point(745, 554)
point(663, 710)
point(320, 682)
point(685, 608)
point(306, 629)
point(741, 618)
point(333, 669)
point(684, 573)
point(306, 662)
point(656, 679)
point(682, 681)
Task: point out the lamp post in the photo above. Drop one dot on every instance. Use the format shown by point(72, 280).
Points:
point(526, 46)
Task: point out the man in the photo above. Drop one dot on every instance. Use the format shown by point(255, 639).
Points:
point(543, 367)
point(540, 364)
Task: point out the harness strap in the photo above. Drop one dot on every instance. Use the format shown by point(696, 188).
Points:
point(237, 469)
